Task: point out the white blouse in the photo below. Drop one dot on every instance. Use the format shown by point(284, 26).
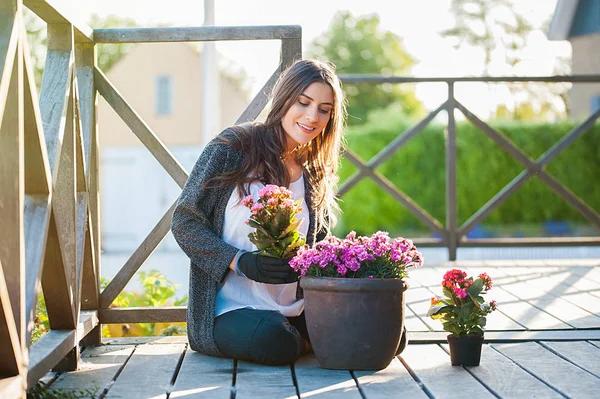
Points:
point(238, 291)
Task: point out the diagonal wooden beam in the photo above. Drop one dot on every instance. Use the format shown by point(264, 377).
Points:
point(259, 101)
point(54, 95)
point(37, 166)
point(85, 56)
point(59, 273)
point(136, 260)
point(10, 350)
point(390, 149)
point(90, 280)
point(37, 221)
point(131, 118)
point(12, 182)
point(533, 168)
point(398, 195)
point(52, 14)
point(9, 39)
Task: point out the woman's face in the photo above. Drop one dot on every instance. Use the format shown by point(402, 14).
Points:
point(308, 115)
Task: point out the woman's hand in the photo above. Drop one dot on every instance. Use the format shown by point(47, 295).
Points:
point(265, 269)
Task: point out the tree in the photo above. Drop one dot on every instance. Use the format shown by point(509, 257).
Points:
point(108, 54)
point(500, 32)
point(360, 46)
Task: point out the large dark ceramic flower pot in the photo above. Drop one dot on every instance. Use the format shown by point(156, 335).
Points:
point(465, 350)
point(354, 324)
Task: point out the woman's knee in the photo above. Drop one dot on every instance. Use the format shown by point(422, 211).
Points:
point(275, 342)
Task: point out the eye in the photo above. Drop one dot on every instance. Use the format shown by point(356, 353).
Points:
point(324, 111)
point(303, 104)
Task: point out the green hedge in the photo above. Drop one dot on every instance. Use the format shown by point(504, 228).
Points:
point(483, 168)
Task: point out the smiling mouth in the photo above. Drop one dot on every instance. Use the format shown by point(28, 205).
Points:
point(305, 128)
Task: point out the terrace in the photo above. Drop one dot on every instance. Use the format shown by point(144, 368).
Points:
point(548, 325)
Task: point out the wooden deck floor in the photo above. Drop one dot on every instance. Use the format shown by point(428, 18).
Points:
point(544, 342)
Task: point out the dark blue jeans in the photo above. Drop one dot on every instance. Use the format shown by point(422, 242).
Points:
point(261, 336)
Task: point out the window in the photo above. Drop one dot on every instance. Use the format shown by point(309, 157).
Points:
point(164, 95)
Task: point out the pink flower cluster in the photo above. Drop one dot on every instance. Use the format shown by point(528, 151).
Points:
point(274, 216)
point(377, 256)
point(456, 281)
point(271, 198)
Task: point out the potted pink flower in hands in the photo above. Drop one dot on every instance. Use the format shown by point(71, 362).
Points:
point(354, 298)
point(463, 313)
point(274, 217)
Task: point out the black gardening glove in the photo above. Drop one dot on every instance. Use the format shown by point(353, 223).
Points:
point(266, 269)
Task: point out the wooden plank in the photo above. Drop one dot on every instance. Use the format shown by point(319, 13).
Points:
point(37, 166)
point(134, 121)
point(12, 387)
point(413, 322)
point(55, 282)
point(85, 55)
point(148, 372)
point(37, 190)
point(48, 351)
point(138, 257)
point(431, 365)
point(394, 378)
point(197, 34)
point(54, 95)
point(259, 101)
point(143, 315)
point(12, 179)
point(54, 15)
point(90, 280)
point(323, 383)
point(98, 367)
point(36, 221)
point(556, 306)
point(80, 236)
point(418, 337)
point(552, 369)
point(418, 301)
point(9, 39)
point(256, 380)
point(205, 376)
point(175, 339)
point(525, 313)
point(55, 345)
point(507, 379)
point(581, 353)
point(10, 348)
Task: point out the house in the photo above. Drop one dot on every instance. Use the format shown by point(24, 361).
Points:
point(578, 21)
point(162, 82)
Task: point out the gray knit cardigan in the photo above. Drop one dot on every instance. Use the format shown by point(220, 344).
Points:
point(197, 226)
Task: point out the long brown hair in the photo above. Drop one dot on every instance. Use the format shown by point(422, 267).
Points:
point(265, 143)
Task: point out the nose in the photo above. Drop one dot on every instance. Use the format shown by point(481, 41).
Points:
point(312, 114)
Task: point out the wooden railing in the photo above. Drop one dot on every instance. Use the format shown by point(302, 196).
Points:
point(452, 235)
point(49, 196)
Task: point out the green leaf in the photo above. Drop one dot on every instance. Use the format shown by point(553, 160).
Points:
point(475, 289)
point(466, 310)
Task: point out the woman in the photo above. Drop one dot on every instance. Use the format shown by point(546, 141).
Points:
point(243, 305)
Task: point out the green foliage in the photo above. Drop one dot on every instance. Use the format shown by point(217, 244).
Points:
point(157, 291)
point(41, 324)
point(360, 46)
point(40, 391)
point(483, 169)
point(110, 53)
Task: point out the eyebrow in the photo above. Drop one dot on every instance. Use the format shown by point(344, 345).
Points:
point(327, 103)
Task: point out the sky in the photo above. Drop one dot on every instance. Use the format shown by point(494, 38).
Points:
point(417, 22)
